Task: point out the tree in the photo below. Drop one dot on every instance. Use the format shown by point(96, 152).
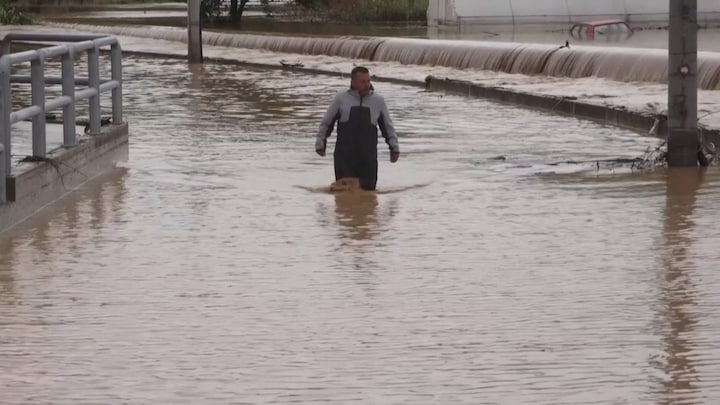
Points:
point(10, 15)
point(312, 4)
point(236, 9)
point(211, 9)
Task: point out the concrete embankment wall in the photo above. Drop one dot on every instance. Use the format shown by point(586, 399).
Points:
point(33, 185)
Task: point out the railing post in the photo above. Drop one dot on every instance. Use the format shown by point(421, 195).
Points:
point(5, 110)
point(68, 89)
point(37, 74)
point(5, 47)
point(94, 83)
point(3, 175)
point(116, 67)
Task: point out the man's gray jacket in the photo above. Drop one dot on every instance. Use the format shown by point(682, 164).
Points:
point(358, 120)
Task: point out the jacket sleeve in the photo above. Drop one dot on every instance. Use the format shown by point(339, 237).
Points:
point(328, 124)
point(387, 128)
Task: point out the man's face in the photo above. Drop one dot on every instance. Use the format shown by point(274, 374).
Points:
point(361, 83)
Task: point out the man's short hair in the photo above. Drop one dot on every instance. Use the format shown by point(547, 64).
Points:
point(359, 69)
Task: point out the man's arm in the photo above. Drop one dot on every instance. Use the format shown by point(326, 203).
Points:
point(388, 131)
point(327, 125)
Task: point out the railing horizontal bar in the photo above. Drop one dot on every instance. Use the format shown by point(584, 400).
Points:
point(105, 41)
point(55, 51)
point(109, 85)
point(84, 46)
point(59, 102)
point(86, 93)
point(25, 114)
point(25, 79)
point(52, 37)
point(25, 56)
point(88, 42)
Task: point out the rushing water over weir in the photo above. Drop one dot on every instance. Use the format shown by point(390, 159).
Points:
point(620, 64)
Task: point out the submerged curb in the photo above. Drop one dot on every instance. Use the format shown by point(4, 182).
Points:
point(614, 115)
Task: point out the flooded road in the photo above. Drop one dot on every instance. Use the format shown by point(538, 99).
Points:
point(204, 270)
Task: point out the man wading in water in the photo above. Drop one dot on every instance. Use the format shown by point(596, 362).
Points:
point(359, 111)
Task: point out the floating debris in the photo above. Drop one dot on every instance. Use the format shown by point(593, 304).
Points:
point(653, 158)
point(287, 64)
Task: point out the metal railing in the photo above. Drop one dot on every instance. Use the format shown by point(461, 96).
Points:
point(37, 79)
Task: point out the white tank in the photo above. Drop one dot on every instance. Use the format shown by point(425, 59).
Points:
point(473, 12)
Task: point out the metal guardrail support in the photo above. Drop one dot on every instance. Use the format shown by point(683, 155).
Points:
point(68, 90)
point(90, 44)
point(94, 78)
point(3, 175)
point(39, 140)
point(5, 124)
point(116, 77)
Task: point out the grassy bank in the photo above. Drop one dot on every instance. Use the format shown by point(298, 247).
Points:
point(48, 7)
point(11, 16)
point(383, 10)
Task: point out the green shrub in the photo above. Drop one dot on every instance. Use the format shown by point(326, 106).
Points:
point(371, 10)
point(10, 16)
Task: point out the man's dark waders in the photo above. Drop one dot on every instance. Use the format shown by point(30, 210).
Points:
point(356, 148)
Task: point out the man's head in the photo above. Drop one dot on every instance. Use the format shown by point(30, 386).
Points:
point(360, 80)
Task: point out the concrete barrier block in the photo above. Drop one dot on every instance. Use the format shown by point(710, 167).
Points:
point(35, 184)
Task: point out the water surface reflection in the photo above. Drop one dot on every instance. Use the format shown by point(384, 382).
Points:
point(679, 289)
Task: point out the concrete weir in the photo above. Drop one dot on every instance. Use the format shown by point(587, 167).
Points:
point(35, 184)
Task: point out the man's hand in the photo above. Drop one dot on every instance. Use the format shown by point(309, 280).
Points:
point(394, 156)
point(320, 152)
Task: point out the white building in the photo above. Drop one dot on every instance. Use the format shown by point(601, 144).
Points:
point(454, 13)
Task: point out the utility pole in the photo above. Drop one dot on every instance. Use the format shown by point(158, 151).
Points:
point(194, 32)
point(683, 142)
